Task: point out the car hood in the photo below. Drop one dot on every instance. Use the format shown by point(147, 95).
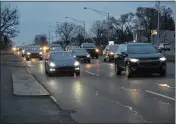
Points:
point(146, 56)
point(68, 62)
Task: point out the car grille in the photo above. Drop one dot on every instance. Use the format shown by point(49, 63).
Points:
point(149, 64)
point(81, 56)
point(34, 54)
point(65, 68)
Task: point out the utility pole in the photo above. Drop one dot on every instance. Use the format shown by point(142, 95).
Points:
point(108, 27)
point(158, 27)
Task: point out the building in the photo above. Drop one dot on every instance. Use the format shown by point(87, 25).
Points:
point(166, 36)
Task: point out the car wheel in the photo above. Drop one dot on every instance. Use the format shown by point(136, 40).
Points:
point(117, 70)
point(27, 59)
point(77, 73)
point(88, 61)
point(41, 58)
point(162, 74)
point(46, 72)
point(127, 71)
point(104, 59)
point(96, 57)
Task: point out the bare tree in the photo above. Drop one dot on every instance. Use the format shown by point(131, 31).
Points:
point(9, 22)
point(65, 30)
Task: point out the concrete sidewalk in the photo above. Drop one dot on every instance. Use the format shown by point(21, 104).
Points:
point(27, 109)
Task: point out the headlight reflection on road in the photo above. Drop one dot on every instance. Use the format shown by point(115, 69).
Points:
point(77, 89)
point(41, 67)
point(135, 94)
point(164, 85)
point(88, 66)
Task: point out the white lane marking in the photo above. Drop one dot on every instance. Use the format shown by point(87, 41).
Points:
point(92, 73)
point(167, 97)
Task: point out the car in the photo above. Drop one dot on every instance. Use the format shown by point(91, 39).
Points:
point(91, 49)
point(81, 54)
point(164, 47)
point(33, 52)
point(61, 62)
point(109, 51)
point(68, 48)
point(139, 58)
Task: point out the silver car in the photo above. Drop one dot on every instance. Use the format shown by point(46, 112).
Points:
point(61, 62)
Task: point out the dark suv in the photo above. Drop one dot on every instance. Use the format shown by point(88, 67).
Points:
point(91, 49)
point(139, 57)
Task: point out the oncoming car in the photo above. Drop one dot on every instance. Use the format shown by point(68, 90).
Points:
point(81, 54)
point(61, 62)
point(33, 52)
point(109, 51)
point(91, 49)
point(139, 58)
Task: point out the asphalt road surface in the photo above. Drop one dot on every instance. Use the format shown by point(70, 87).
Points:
point(99, 95)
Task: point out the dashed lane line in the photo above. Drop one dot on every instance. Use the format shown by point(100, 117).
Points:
point(158, 94)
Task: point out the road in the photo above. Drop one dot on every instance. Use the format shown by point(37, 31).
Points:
point(99, 95)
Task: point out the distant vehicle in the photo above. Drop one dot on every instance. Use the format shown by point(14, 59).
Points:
point(139, 58)
point(91, 49)
point(68, 48)
point(109, 51)
point(56, 48)
point(33, 52)
point(164, 47)
point(81, 54)
point(61, 62)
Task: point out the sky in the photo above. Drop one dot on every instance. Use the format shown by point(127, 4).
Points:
point(36, 17)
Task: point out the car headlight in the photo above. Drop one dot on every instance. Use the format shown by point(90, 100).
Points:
point(162, 59)
point(52, 64)
point(88, 56)
point(28, 53)
point(14, 49)
point(97, 50)
point(76, 63)
point(23, 51)
point(40, 48)
point(74, 56)
point(111, 53)
point(134, 60)
point(40, 53)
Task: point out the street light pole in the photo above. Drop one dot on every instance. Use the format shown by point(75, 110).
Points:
point(158, 27)
point(84, 23)
point(102, 13)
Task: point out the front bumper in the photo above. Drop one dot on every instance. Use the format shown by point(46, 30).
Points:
point(93, 53)
point(65, 69)
point(111, 57)
point(34, 56)
point(148, 67)
point(82, 58)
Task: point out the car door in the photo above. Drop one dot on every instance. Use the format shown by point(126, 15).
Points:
point(123, 55)
point(120, 57)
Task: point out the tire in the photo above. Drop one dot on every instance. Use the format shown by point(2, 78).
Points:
point(127, 72)
point(46, 72)
point(117, 70)
point(162, 73)
point(41, 58)
point(96, 57)
point(104, 60)
point(49, 74)
point(77, 73)
point(88, 61)
point(27, 59)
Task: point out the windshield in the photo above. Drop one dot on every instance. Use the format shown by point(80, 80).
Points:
point(79, 51)
point(56, 48)
point(141, 49)
point(61, 56)
point(113, 48)
point(89, 45)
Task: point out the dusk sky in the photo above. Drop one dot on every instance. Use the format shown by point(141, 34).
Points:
point(36, 17)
